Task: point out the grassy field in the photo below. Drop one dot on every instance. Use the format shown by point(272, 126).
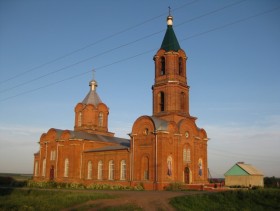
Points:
point(262, 199)
point(31, 199)
point(12, 198)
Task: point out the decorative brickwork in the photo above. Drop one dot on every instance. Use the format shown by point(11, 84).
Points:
point(164, 148)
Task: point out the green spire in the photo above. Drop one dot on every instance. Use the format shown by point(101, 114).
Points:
point(170, 42)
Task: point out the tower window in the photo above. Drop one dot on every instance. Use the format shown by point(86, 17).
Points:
point(80, 119)
point(183, 101)
point(100, 119)
point(180, 66)
point(162, 66)
point(161, 101)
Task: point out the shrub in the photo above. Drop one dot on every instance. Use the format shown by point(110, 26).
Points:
point(175, 186)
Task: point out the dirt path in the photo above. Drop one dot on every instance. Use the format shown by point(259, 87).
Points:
point(147, 200)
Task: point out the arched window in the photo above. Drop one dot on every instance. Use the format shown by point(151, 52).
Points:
point(180, 66)
point(188, 155)
point(89, 171)
point(162, 65)
point(99, 170)
point(111, 170)
point(161, 101)
point(123, 170)
point(66, 167)
point(80, 119)
point(169, 166)
point(145, 168)
point(44, 168)
point(100, 119)
point(185, 155)
point(183, 101)
point(36, 169)
point(200, 167)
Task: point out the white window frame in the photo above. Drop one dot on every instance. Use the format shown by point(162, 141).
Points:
point(89, 173)
point(111, 170)
point(36, 169)
point(66, 167)
point(99, 170)
point(44, 167)
point(123, 170)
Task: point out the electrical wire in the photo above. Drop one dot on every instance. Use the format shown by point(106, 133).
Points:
point(92, 44)
point(128, 58)
point(118, 47)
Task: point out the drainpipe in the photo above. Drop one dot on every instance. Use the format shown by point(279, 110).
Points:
point(40, 173)
point(46, 156)
point(56, 160)
point(81, 164)
point(156, 162)
point(132, 157)
point(156, 170)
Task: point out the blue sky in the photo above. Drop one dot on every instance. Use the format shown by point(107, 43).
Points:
point(233, 51)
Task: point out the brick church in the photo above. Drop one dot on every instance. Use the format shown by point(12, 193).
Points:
point(163, 148)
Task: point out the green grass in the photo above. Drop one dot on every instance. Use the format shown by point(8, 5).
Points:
point(265, 199)
point(125, 207)
point(30, 199)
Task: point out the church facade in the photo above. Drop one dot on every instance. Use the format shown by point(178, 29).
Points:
point(163, 148)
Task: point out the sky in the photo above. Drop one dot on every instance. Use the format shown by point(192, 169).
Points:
point(48, 50)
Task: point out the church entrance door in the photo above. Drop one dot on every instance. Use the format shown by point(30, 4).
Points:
point(187, 175)
point(52, 173)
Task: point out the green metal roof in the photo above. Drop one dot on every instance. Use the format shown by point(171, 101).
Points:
point(241, 169)
point(236, 170)
point(170, 42)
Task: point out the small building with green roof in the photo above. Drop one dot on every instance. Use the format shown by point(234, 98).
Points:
point(244, 175)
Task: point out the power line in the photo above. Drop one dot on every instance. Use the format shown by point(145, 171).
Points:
point(128, 58)
point(91, 44)
point(118, 47)
point(79, 62)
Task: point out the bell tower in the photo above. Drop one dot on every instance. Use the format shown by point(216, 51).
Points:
point(91, 115)
point(170, 89)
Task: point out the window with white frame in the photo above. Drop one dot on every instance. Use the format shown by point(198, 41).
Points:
point(111, 170)
point(188, 155)
point(169, 166)
point(99, 170)
point(66, 167)
point(123, 170)
point(100, 119)
point(185, 155)
point(44, 168)
point(89, 172)
point(80, 119)
point(36, 169)
point(53, 155)
point(145, 165)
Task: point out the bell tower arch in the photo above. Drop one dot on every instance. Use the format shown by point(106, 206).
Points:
point(170, 89)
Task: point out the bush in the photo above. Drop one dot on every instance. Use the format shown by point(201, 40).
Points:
point(175, 186)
